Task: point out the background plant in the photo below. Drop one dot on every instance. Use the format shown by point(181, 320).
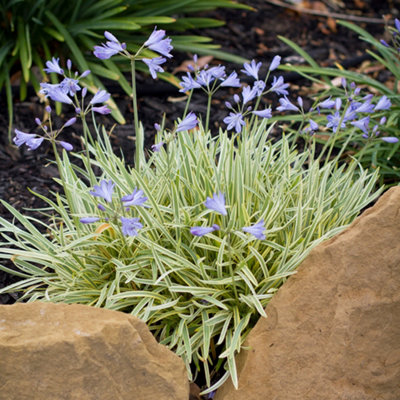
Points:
point(34, 30)
point(378, 153)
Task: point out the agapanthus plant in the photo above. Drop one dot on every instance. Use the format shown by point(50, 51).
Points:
point(196, 238)
point(375, 140)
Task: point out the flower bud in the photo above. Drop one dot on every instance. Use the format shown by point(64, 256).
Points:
point(85, 73)
point(67, 146)
point(300, 101)
point(70, 122)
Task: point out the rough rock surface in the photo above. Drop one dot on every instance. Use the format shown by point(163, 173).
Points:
point(333, 329)
point(76, 352)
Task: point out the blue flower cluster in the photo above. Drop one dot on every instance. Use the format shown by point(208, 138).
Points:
point(356, 113)
point(217, 204)
point(64, 92)
point(155, 42)
point(211, 79)
point(130, 226)
point(105, 190)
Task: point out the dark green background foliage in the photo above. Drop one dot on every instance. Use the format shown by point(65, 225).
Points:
point(32, 31)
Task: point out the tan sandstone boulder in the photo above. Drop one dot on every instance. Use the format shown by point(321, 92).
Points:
point(76, 352)
point(333, 329)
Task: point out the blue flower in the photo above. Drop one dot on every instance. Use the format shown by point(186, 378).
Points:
point(163, 47)
point(89, 220)
point(365, 107)
point(109, 36)
point(104, 52)
point(45, 87)
point(53, 66)
point(300, 102)
point(69, 86)
point(33, 144)
point(204, 78)
point(104, 190)
point(100, 97)
point(313, 127)
point(328, 103)
point(362, 124)
point(85, 74)
point(188, 83)
point(57, 94)
point(259, 87)
point(203, 230)
point(397, 24)
point(286, 105)
point(251, 69)
point(29, 139)
point(217, 72)
point(279, 86)
point(22, 137)
point(154, 65)
point(112, 47)
point(67, 146)
point(130, 226)
point(334, 120)
point(231, 81)
point(235, 120)
point(248, 94)
point(267, 113)
point(102, 110)
point(216, 203)
point(275, 63)
point(390, 139)
point(157, 147)
point(134, 199)
point(256, 230)
point(189, 122)
point(155, 37)
point(383, 104)
point(156, 43)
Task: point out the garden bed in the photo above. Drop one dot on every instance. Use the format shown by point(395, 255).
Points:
point(248, 34)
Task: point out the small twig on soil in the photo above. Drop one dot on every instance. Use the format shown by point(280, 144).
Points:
point(327, 13)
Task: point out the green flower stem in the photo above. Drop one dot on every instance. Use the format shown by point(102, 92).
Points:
point(344, 146)
point(187, 104)
point(259, 100)
point(208, 110)
point(64, 184)
point(360, 154)
point(88, 137)
point(298, 132)
point(135, 114)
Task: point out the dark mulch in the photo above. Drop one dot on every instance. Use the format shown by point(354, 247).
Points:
point(249, 34)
